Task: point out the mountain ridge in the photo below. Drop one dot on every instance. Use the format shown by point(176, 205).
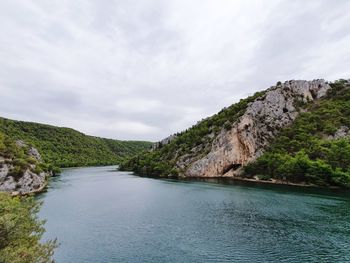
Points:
point(66, 147)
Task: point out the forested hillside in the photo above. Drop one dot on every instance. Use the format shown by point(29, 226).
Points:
point(316, 147)
point(297, 131)
point(65, 147)
point(196, 140)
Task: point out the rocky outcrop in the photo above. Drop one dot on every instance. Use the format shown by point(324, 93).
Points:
point(343, 131)
point(28, 181)
point(251, 133)
point(163, 142)
point(32, 152)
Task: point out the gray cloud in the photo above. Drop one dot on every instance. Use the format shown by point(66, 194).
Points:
point(146, 69)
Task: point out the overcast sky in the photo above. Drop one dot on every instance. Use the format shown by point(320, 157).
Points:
point(146, 69)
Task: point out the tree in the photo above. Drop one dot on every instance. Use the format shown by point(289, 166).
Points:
point(21, 231)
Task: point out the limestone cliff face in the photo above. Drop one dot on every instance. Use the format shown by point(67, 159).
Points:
point(28, 181)
point(251, 133)
point(163, 142)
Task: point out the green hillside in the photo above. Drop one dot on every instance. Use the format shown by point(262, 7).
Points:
point(161, 162)
point(65, 147)
point(307, 151)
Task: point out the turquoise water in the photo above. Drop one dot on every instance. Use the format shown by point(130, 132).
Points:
point(101, 215)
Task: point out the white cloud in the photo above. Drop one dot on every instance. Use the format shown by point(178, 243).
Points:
point(146, 69)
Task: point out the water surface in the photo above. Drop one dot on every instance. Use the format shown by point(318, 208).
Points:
point(101, 215)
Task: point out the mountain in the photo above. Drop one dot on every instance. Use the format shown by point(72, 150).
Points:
point(293, 132)
point(65, 147)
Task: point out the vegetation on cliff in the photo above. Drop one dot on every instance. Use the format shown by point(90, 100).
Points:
point(19, 159)
point(161, 162)
point(65, 147)
point(309, 150)
point(21, 231)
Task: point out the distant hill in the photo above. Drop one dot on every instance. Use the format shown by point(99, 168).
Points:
point(294, 132)
point(65, 147)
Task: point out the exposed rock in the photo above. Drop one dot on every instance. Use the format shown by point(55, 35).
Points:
point(163, 142)
point(28, 182)
point(33, 152)
point(21, 144)
point(8, 185)
point(4, 169)
point(343, 131)
point(250, 135)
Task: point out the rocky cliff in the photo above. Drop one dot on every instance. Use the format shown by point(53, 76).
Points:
point(20, 171)
point(295, 132)
point(252, 132)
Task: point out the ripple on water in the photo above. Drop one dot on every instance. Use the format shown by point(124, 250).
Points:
point(101, 215)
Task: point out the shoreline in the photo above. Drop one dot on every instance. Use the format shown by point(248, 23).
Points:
point(88, 166)
point(274, 181)
point(264, 182)
point(42, 188)
point(242, 179)
point(36, 191)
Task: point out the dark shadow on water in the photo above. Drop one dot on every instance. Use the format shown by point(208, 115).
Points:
point(280, 188)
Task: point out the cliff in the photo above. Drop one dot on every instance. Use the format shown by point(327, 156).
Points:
point(21, 168)
point(225, 144)
point(251, 133)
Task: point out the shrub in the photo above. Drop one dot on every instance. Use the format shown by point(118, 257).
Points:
point(21, 231)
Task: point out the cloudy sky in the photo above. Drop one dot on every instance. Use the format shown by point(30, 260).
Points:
point(146, 69)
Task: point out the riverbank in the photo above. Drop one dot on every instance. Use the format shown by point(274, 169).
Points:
point(283, 182)
point(254, 180)
point(274, 181)
point(36, 191)
point(257, 181)
point(43, 188)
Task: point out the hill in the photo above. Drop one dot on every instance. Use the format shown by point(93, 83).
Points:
point(65, 147)
point(293, 132)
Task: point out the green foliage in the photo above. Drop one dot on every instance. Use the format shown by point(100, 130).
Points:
point(195, 140)
point(303, 151)
point(21, 232)
point(64, 147)
point(18, 156)
point(297, 168)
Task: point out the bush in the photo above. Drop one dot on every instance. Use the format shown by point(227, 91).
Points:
point(21, 232)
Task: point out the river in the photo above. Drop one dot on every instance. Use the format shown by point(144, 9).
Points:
point(102, 215)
